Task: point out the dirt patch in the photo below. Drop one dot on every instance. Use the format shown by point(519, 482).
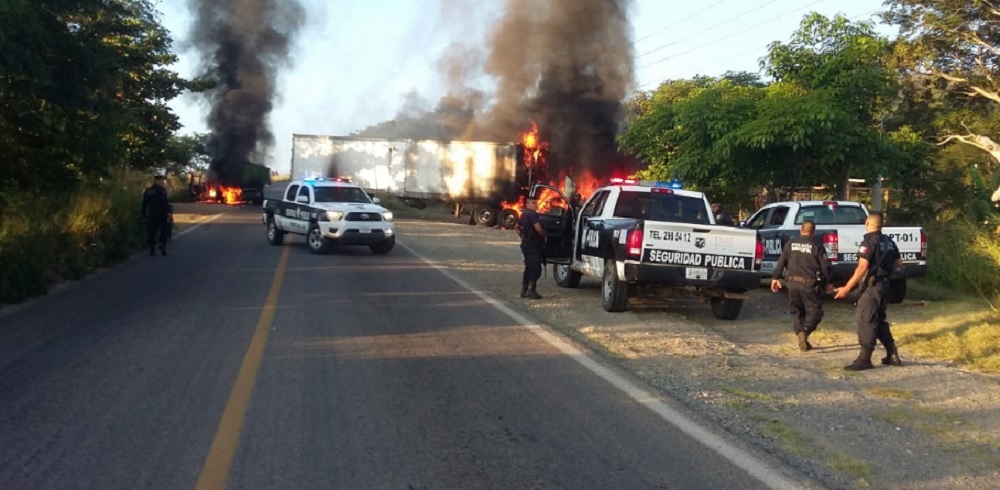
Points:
point(926, 425)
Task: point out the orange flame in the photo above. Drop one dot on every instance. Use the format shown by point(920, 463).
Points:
point(226, 194)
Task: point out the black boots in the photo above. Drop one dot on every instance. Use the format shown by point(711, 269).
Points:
point(863, 362)
point(892, 356)
point(163, 249)
point(803, 343)
point(528, 291)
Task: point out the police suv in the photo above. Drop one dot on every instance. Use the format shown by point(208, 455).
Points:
point(840, 226)
point(640, 233)
point(328, 212)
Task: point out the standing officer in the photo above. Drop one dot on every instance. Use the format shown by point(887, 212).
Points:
point(156, 211)
point(877, 257)
point(808, 270)
point(721, 216)
point(532, 247)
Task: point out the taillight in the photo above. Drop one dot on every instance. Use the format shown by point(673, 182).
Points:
point(923, 245)
point(633, 243)
point(758, 255)
point(832, 243)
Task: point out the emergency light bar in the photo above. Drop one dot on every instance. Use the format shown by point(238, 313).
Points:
point(673, 184)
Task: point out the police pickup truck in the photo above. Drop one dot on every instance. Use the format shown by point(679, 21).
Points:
point(328, 212)
point(632, 234)
point(840, 225)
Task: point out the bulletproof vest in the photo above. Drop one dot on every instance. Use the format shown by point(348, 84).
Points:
point(530, 236)
point(885, 257)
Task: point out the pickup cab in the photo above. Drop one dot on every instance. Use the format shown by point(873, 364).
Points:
point(633, 234)
point(840, 225)
point(328, 212)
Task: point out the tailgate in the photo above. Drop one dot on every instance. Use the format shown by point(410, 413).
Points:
point(705, 246)
point(909, 241)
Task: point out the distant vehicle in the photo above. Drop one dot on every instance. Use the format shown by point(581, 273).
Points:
point(329, 213)
point(632, 234)
point(840, 226)
point(472, 176)
point(249, 186)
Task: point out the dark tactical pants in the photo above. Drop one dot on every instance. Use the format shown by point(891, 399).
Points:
point(805, 306)
point(157, 231)
point(870, 317)
point(532, 263)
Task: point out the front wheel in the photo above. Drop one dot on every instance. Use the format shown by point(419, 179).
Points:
point(318, 244)
point(565, 276)
point(897, 291)
point(274, 234)
point(614, 292)
point(726, 308)
point(383, 248)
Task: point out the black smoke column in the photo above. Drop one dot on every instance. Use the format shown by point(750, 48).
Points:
point(243, 44)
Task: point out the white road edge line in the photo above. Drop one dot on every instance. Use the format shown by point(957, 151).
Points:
point(195, 226)
point(757, 469)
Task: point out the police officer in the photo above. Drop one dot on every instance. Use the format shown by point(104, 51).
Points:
point(877, 257)
point(808, 269)
point(721, 216)
point(532, 247)
point(156, 212)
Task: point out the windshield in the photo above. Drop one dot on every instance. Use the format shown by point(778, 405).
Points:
point(832, 215)
point(662, 206)
point(341, 194)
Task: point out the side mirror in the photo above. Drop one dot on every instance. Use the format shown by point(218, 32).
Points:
point(376, 200)
point(742, 224)
point(302, 199)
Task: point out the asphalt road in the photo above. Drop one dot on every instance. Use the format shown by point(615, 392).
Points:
point(235, 364)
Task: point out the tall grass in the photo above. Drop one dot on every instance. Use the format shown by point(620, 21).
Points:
point(45, 238)
point(964, 257)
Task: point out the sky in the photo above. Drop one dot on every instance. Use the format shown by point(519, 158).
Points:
point(354, 61)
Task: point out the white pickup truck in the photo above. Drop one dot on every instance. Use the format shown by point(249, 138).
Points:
point(646, 233)
point(840, 225)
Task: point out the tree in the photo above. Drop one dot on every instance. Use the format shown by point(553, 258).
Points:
point(957, 44)
point(187, 153)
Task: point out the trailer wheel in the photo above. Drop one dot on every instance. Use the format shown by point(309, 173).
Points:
point(274, 235)
point(726, 308)
point(485, 216)
point(565, 276)
point(897, 291)
point(614, 293)
point(508, 218)
point(318, 244)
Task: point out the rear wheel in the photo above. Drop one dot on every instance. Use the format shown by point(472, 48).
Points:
point(565, 276)
point(485, 216)
point(897, 291)
point(318, 244)
point(726, 308)
point(614, 292)
point(508, 218)
point(383, 247)
point(274, 235)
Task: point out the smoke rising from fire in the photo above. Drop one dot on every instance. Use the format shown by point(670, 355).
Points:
point(243, 44)
point(565, 64)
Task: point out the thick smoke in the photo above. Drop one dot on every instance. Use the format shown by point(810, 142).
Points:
point(243, 44)
point(565, 64)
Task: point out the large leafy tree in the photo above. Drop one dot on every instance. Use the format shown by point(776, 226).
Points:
point(83, 89)
point(955, 46)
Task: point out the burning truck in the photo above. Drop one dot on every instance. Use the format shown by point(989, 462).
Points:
point(245, 184)
point(486, 180)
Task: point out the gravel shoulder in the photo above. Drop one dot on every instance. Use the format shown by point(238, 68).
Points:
point(926, 425)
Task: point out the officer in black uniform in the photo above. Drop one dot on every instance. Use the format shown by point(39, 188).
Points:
point(532, 247)
point(808, 270)
point(877, 257)
point(156, 212)
point(722, 217)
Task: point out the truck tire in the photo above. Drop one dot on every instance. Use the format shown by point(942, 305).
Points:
point(485, 216)
point(565, 276)
point(318, 244)
point(383, 247)
point(726, 308)
point(614, 293)
point(897, 291)
point(274, 234)
point(508, 218)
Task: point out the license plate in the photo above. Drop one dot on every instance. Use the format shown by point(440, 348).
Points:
point(365, 229)
point(696, 273)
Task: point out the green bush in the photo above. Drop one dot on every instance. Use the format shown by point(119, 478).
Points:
point(964, 257)
point(45, 239)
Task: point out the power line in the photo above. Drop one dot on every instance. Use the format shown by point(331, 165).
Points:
point(643, 38)
point(706, 30)
point(716, 40)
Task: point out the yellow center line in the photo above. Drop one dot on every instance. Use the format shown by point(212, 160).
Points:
point(215, 472)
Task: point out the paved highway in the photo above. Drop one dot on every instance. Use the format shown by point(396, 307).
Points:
point(235, 364)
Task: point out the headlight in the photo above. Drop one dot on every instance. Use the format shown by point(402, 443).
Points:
point(334, 215)
point(387, 216)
